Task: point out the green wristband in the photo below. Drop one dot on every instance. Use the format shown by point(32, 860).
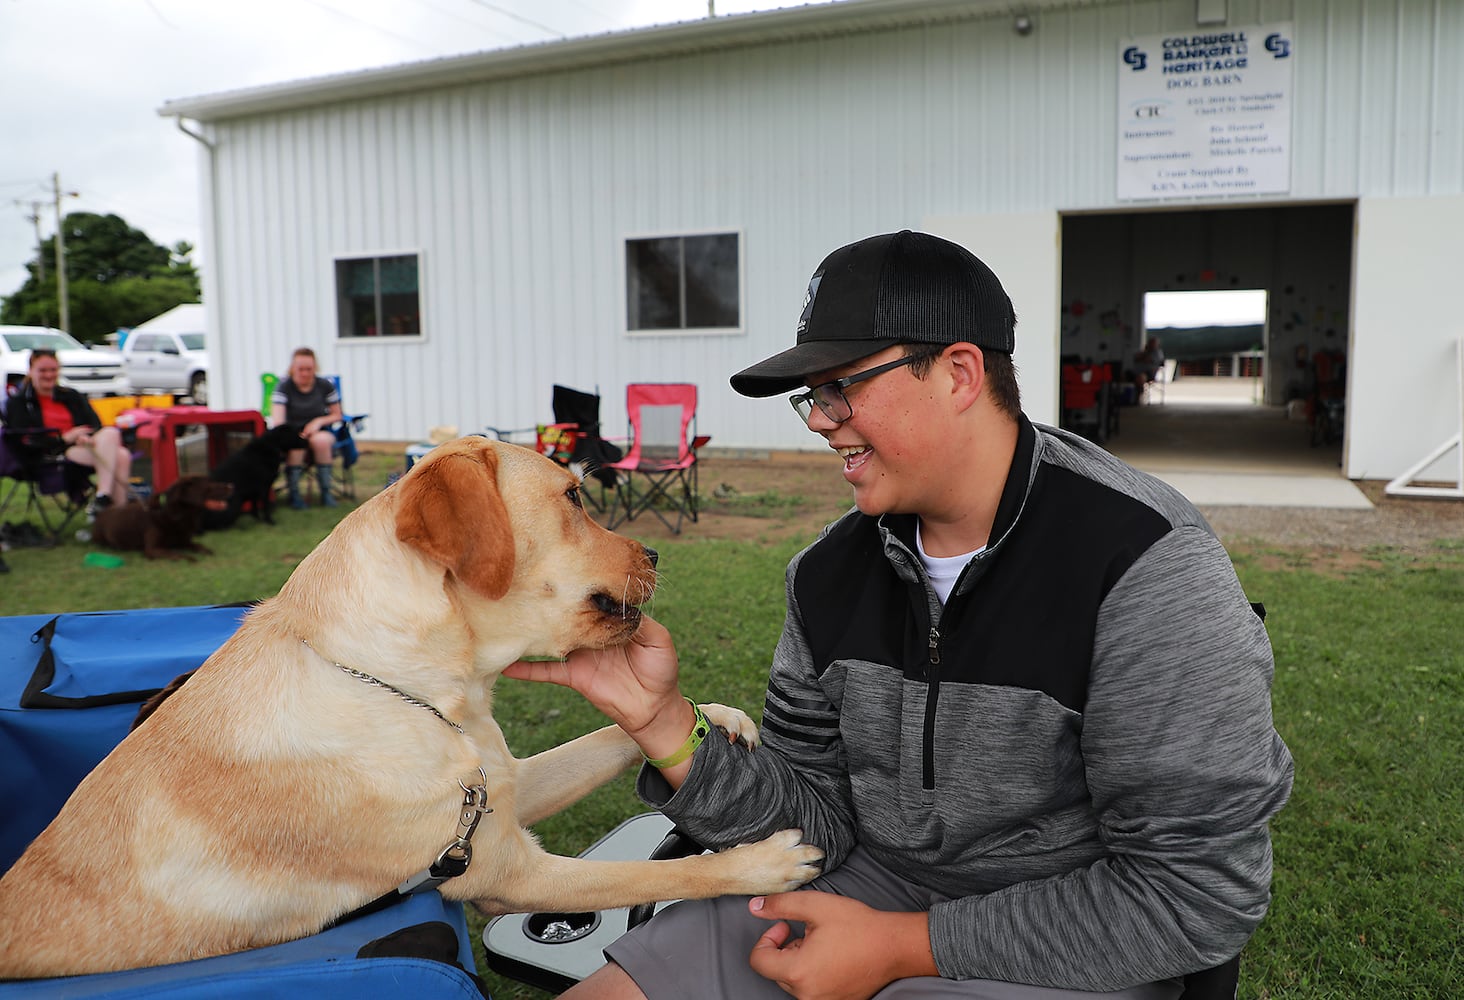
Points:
point(699, 730)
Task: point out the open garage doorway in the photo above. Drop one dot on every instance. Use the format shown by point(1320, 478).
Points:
point(1240, 396)
point(1215, 340)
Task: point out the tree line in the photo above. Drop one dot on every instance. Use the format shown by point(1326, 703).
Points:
point(115, 275)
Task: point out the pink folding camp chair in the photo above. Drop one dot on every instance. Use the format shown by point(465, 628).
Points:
point(658, 473)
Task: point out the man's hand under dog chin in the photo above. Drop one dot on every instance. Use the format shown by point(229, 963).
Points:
point(634, 684)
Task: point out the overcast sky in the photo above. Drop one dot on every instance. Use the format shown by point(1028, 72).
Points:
point(1221, 307)
point(81, 82)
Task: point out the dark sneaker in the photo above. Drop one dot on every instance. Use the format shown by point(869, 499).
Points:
point(97, 505)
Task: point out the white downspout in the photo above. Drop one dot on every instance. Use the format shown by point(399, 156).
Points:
point(212, 285)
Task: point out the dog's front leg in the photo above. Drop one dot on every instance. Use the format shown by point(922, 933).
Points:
point(522, 878)
point(559, 777)
point(548, 782)
point(157, 552)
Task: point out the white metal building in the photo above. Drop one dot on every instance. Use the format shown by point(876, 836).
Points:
point(455, 236)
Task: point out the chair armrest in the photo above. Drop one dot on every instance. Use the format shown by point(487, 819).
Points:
point(676, 844)
point(35, 442)
point(1219, 983)
point(514, 435)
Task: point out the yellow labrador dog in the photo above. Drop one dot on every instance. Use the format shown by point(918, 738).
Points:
point(343, 739)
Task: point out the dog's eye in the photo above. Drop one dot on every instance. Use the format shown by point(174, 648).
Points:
point(573, 494)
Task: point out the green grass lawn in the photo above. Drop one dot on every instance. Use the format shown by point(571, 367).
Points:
point(1369, 881)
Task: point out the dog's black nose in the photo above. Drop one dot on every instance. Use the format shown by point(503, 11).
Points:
point(651, 554)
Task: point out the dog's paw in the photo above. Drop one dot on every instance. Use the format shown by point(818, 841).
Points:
point(781, 863)
point(736, 723)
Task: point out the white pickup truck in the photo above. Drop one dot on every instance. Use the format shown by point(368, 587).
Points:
point(167, 361)
point(90, 371)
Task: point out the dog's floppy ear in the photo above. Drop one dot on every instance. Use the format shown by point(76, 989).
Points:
point(451, 512)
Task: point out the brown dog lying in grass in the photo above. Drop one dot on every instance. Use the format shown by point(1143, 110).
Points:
point(327, 752)
point(164, 525)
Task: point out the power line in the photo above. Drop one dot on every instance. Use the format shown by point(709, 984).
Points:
point(512, 39)
point(524, 20)
point(39, 185)
point(424, 45)
point(159, 15)
point(597, 12)
point(107, 204)
point(362, 21)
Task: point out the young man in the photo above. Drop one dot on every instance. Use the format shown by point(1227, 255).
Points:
point(1020, 700)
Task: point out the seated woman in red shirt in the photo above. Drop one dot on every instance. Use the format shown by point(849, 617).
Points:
point(41, 401)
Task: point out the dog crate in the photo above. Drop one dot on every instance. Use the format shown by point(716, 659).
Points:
point(184, 441)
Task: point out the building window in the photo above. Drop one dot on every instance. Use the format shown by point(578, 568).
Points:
point(377, 297)
point(683, 283)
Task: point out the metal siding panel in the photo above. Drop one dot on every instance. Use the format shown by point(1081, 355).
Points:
point(1325, 119)
point(1410, 121)
point(457, 289)
point(1377, 72)
point(1447, 98)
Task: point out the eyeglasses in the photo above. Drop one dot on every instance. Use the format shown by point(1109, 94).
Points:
point(830, 398)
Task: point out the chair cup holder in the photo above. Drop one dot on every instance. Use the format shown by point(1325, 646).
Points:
point(559, 928)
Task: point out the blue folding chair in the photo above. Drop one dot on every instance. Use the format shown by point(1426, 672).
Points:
point(344, 453)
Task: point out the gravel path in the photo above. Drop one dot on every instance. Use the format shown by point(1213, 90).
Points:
point(801, 492)
point(1410, 524)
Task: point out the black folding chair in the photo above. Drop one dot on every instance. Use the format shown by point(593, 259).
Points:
point(42, 484)
point(577, 415)
point(573, 440)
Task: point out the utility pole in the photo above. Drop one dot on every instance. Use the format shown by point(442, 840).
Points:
point(35, 218)
point(63, 306)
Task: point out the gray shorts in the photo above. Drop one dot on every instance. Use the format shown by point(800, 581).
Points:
point(699, 948)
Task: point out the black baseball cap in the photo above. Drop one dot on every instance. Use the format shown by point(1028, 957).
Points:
point(899, 288)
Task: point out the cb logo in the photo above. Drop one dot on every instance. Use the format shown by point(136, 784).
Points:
point(1278, 46)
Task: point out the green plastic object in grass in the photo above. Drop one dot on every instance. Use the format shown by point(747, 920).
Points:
point(102, 560)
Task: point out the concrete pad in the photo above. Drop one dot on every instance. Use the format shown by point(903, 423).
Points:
point(1217, 446)
point(1242, 489)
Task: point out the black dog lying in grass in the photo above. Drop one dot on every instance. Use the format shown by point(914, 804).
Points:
point(163, 526)
point(251, 471)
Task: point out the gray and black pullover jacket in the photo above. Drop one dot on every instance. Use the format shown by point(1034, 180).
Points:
point(1077, 748)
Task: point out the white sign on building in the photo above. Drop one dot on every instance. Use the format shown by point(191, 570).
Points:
point(1205, 114)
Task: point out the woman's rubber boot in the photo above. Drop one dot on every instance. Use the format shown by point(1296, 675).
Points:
point(323, 474)
point(292, 480)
